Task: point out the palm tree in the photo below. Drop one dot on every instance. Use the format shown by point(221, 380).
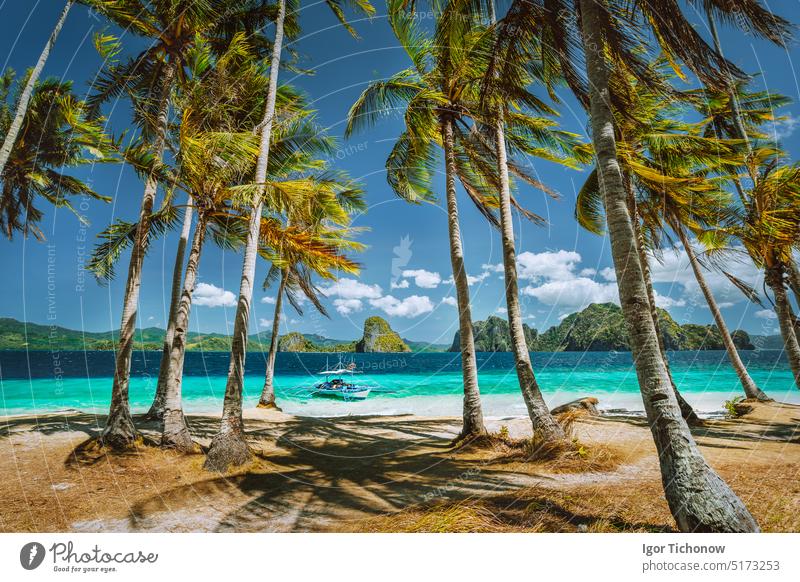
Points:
point(156, 411)
point(738, 112)
point(229, 447)
point(435, 96)
point(604, 30)
point(325, 215)
point(57, 134)
point(538, 138)
point(174, 27)
point(669, 163)
point(24, 98)
point(768, 227)
point(442, 93)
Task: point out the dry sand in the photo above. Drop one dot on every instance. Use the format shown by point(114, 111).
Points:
point(382, 474)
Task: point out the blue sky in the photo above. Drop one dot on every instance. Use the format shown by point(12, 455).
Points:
point(406, 265)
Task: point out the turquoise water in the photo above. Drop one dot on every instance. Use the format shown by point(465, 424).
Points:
point(423, 384)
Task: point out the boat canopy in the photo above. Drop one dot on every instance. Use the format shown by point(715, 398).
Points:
point(337, 371)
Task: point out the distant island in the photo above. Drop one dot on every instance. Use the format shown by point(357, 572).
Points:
point(378, 336)
point(599, 327)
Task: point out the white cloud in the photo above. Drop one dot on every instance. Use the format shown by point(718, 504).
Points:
point(502, 310)
point(450, 301)
point(409, 307)
point(268, 300)
point(666, 302)
point(348, 306)
point(554, 280)
point(352, 289)
point(213, 296)
point(403, 284)
point(472, 279)
point(264, 323)
point(573, 293)
point(766, 314)
point(725, 304)
point(423, 278)
point(493, 267)
point(554, 266)
point(609, 274)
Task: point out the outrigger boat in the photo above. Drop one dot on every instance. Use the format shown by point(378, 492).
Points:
point(335, 385)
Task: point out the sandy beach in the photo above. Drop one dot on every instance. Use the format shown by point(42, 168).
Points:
point(382, 473)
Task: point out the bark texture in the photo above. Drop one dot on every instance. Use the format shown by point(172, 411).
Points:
point(27, 92)
point(119, 432)
point(748, 385)
point(229, 447)
point(544, 425)
point(156, 411)
point(698, 498)
point(175, 434)
point(473, 414)
point(267, 399)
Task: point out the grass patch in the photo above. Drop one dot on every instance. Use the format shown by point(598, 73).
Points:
point(528, 510)
point(570, 455)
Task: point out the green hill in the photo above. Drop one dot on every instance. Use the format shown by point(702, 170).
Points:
point(493, 335)
point(598, 328)
point(380, 337)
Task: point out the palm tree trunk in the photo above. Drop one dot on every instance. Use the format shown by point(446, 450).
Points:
point(786, 319)
point(175, 433)
point(794, 281)
point(544, 425)
point(267, 399)
point(27, 92)
point(750, 388)
point(156, 411)
point(229, 447)
point(687, 412)
point(473, 415)
point(698, 498)
point(119, 431)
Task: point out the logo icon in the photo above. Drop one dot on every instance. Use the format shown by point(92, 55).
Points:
point(31, 555)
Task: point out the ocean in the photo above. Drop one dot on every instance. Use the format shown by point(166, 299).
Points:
point(427, 384)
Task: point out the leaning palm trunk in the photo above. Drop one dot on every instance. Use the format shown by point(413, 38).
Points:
point(229, 447)
point(119, 431)
point(473, 415)
point(156, 411)
point(687, 412)
point(267, 399)
point(698, 498)
point(750, 388)
point(27, 92)
point(175, 433)
point(786, 319)
point(545, 426)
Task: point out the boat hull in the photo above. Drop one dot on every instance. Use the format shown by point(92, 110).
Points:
point(358, 394)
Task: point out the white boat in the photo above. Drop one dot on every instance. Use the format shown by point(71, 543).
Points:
point(336, 386)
